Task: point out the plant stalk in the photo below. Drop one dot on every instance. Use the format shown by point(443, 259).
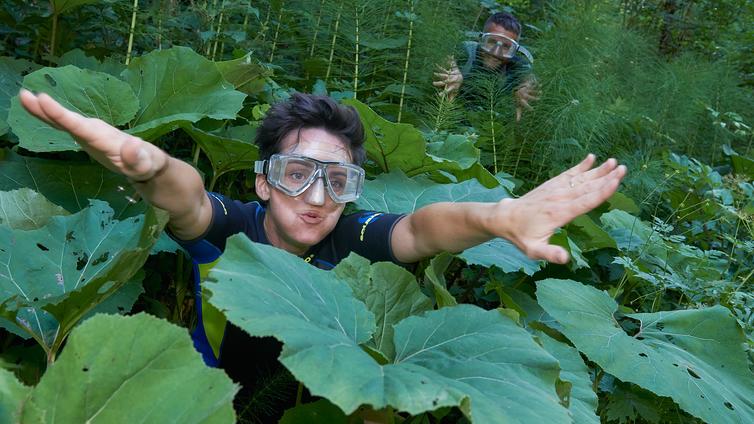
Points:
point(131, 32)
point(408, 58)
point(277, 33)
point(356, 58)
point(219, 29)
point(332, 44)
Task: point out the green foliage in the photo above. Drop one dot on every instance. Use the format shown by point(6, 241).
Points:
point(677, 353)
point(65, 266)
point(666, 91)
point(437, 358)
point(124, 377)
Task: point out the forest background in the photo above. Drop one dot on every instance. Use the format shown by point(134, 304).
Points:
point(664, 268)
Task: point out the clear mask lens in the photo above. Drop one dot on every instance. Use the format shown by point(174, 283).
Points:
point(295, 174)
point(498, 45)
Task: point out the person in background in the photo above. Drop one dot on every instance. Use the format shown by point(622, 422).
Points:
point(495, 53)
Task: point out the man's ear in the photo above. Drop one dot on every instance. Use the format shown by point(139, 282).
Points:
point(261, 187)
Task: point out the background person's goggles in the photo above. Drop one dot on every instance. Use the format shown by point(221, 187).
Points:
point(293, 174)
point(498, 45)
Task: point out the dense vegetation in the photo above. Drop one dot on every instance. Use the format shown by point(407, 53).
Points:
point(652, 321)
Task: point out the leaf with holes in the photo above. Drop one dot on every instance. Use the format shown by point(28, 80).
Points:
point(68, 184)
point(50, 277)
point(176, 86)
point(459, 356)
point(694, 356)
point(92, 94)
point(26, 209)
point(12, 73)
point(121, 376)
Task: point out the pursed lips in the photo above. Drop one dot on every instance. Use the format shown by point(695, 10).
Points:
point(311, 217)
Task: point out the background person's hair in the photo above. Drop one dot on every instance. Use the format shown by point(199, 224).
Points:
point(302, 111)
point(505, 20)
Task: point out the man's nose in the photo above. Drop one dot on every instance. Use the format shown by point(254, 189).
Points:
point(315, 194)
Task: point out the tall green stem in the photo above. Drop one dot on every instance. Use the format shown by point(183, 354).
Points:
point(277, 33)
point(332, 44)
point(131, 32)
point(219, 29)
point(356, 58)
point(494, 141)
point(54, 34)
point(316, 28)
point(408, 57)
point(211, 30)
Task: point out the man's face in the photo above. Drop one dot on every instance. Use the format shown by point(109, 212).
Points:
point(297, 223)
point(491, 61)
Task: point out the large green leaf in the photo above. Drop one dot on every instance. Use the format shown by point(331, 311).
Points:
point(245, 73)
point(459, 356)
point(402, 147)
point(434, 273)
point(68, 184)
point(69, 266)
point(12, 73)
point(26, 209)
point(176, 86)
point(78, 58)
point(583, 400)
point(226, 152)
point(694, 356)
point(390, 293)
point(90, 93)
point(396, 193)
point(130, 369)
point(12, 394)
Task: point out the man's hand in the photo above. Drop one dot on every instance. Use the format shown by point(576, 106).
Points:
point(163, 181)
point(529, 221)
point(113, 148)
point(526, 92)
point(449, 79)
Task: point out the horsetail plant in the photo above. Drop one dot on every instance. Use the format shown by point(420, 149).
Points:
point(334, 39)
point(411, 18)
point(277, 33)
point(219, 30)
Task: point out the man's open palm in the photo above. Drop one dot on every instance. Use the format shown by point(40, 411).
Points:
point(113, 148)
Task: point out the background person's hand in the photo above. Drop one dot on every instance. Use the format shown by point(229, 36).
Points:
point(113, 148)
point(529, 221)
point(525, 93)
point(449, 79)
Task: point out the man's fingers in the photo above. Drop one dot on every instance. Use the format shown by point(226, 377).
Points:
point(31, 103)
point(550, 253)
point(596, 192)
point(439, 83)
point(583, 166)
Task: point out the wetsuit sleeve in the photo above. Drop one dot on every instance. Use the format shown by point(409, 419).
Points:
point(367, 233)
point(228, 217)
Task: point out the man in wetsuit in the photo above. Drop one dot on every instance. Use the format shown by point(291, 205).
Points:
point(497, 53)
point(310, 152)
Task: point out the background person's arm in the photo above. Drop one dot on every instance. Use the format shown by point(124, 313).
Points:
point(162, 180)
point(528, 221)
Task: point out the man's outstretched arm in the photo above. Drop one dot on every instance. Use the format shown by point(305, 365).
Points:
point(161, 179)
point(528, 221)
